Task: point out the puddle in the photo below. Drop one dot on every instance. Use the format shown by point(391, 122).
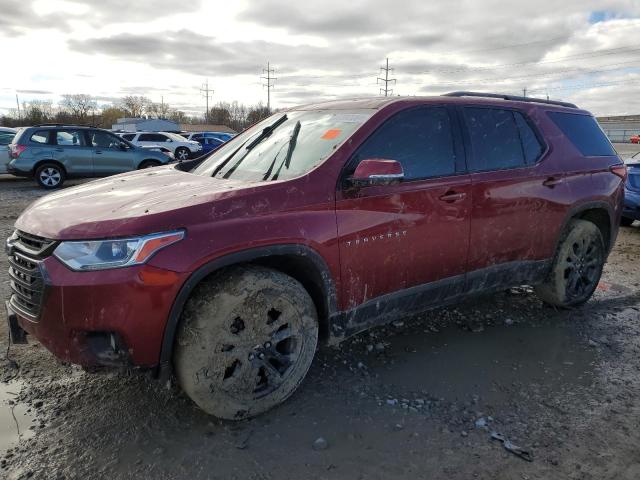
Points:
point(14, 419)
point(454, 363)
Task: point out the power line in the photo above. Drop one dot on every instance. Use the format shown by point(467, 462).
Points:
point(270, 83)
point(386, 80)
point(206, 93)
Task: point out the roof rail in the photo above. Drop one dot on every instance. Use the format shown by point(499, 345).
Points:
point(514, 98)
point(63, 125)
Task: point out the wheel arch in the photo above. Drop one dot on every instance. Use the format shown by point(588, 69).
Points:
point(601, 214)
point(296, 260)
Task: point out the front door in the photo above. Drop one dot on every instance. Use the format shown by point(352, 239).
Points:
point(109, 155)
point(414, 233)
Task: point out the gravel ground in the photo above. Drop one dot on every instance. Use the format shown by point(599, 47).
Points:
point(417, 399)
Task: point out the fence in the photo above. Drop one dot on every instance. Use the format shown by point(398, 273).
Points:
point(619, 135)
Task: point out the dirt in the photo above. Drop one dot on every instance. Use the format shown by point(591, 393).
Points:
point(416, 399)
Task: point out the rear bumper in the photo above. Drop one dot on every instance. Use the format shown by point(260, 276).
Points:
point(13, 170)
point(113, 317)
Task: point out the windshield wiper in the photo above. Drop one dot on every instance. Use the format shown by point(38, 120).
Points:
point(293, 141)
point(266, 132)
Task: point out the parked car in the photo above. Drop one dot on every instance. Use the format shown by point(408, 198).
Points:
point(209, 144)
point(631, 211)
point(313, 225)
point(6, 136)
point(224, 136)
point(52, 153)
point(182, 148)
point(635, 139)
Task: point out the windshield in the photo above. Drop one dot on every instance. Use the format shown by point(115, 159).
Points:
point(283, 146)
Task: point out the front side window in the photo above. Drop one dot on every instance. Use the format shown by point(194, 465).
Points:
point(70, 138)
point(129, 136)
point(283, 146)
point(495, 139)
point(104, 140)
point(420, 139)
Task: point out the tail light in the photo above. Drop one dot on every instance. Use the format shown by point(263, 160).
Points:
point(16, 149)
point(619, 170)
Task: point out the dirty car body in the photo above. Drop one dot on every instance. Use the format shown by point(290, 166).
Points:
point(462, 217)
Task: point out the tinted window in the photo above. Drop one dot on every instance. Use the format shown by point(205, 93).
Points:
point(128, 136)
point(152, 137)
point(40, 136)
point(6, 137)
point(420, 139)
point(104, 140)
point(495, 139)
point(585, 133)
point(70, 138)
point(530, 143)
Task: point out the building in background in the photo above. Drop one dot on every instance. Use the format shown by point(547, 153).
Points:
point(145, 125)
point(621, 128)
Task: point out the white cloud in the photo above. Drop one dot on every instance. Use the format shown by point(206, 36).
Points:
point(582, 51)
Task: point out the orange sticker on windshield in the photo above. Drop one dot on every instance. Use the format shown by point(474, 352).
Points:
point(331, 134)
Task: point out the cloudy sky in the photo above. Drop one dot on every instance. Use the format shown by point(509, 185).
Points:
point(582, 51)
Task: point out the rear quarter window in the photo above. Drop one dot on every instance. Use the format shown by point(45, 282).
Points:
point(40, 136)
point(585, 134)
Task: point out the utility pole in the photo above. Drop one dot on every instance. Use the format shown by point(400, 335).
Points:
point(206, 93)
point(162, 106)
point(18, 104)
point(386, 80)
point(524, 92)
point(269, 79)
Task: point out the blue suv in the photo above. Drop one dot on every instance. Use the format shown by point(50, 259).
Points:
point(631, 210)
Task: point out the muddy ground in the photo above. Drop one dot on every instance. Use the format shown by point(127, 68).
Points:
point(417, 399)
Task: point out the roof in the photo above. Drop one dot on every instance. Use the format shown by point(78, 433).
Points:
point(200, 127)
point(377, 103)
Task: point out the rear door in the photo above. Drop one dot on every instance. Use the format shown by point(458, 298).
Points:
point(71, 149)
point(414, 233)
point(517, 196)
point(109, 156)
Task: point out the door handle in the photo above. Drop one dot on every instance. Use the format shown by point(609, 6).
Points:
point(553, 181)
point(451, 197)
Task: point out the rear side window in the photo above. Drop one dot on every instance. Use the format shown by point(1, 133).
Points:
point(40, 136)
point(128, 136)
point(70, 138)
point(6, 137)
point(531, 146)
point(585, 133)
point(495, 139)
point(152, 137)
point(420, 139)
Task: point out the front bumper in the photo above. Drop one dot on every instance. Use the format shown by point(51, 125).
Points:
point(109, 317)
point(631, 208)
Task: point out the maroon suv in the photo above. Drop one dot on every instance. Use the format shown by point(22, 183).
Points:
point(316, 223)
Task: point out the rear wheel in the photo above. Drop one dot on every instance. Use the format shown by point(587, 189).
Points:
point(182, 153)
point(149, 164)
point(50, 175)
point(246, 341)
point(626, 222)
point(577, 267)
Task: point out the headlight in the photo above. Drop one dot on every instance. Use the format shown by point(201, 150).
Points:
point(115, 253)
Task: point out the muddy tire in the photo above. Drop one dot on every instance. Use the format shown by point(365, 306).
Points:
point(246, 340)
point(577, 267)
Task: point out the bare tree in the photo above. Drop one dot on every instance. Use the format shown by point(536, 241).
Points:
point(135, 106)
point(79, 105)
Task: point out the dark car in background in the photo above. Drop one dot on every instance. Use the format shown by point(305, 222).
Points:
point(631, 211)
point(209, 144)
point(52, 153)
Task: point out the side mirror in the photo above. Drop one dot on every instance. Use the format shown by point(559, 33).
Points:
point(377, 171)
point(123, 146)
point(168, 140)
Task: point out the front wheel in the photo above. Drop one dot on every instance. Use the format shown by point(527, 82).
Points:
point(247, 338)
point(577, 268)
point(50, 175)
point(182, 153)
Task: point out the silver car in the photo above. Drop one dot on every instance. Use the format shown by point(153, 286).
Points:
point(6, 136)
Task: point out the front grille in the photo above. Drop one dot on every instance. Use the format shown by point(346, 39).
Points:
point(26, 252)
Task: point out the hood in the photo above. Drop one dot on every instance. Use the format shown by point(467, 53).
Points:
point(144, 201)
